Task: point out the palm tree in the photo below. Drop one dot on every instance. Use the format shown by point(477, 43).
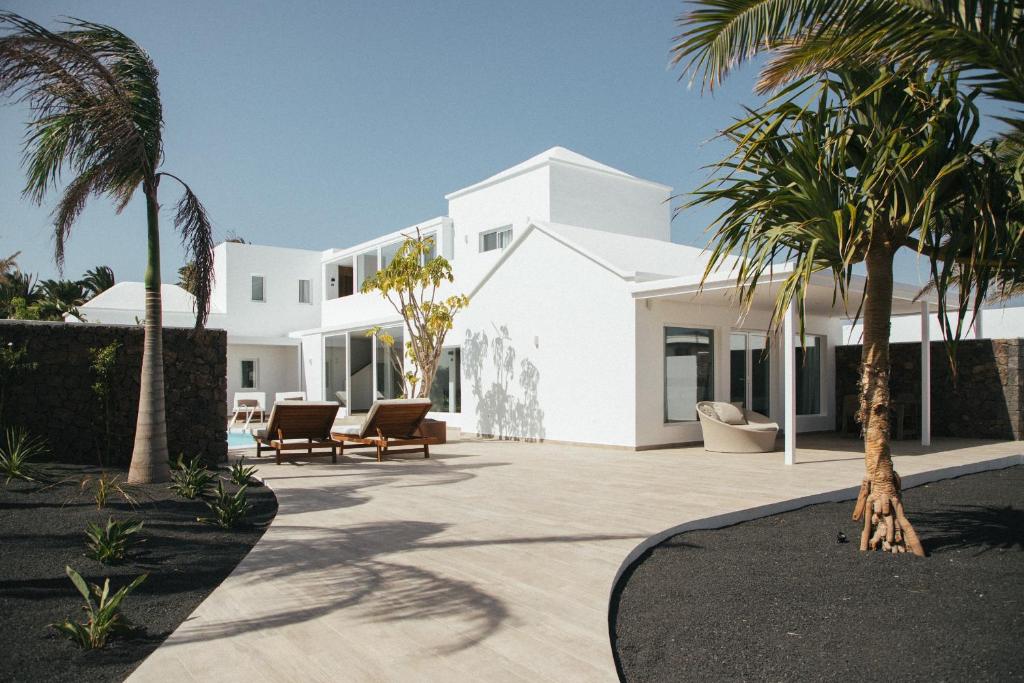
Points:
point(96, 112)
point(98, 279)
point(59, 298)
point(880, 161)
point(7, 265)
point(17, 290)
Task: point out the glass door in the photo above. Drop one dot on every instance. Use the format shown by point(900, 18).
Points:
point(750, 371)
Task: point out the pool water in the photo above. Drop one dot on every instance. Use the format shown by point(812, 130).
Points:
point(240, 440)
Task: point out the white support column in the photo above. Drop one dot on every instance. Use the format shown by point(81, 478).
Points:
point(789, 382)
point(926, 376)
point(979, 332)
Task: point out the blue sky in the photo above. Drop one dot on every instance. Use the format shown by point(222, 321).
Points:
point(321, 124)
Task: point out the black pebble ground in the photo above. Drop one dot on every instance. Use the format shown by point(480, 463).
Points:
point(779, 599)
point(42, 529)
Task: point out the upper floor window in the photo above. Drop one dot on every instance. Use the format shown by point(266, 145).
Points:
point(304, 295)
point(499, 238)
point(258, 293)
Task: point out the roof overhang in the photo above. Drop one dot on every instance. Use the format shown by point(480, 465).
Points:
point(720, 290)
point(348, 327)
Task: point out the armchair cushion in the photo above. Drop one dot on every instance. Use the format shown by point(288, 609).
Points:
point(729, 414)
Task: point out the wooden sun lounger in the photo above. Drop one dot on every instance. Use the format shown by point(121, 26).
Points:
point(390, 423)
point(299, 426)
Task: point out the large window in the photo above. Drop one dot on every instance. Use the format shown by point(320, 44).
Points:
point(446, 392)
point(808, 375)
point(258, 290)
point(388, 252)
point(250, 374)
point(689, 371)
point(304, 295)
point(499, 238)
point(390, 366)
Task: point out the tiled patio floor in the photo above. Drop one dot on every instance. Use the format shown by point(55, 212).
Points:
point(490, 561)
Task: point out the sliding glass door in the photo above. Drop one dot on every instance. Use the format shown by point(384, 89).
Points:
point(750, 371)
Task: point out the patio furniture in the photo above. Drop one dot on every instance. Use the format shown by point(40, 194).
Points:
point(248, 404)
point(299, 426)
point(390, 422)
point(730, 429)
point(289, 396)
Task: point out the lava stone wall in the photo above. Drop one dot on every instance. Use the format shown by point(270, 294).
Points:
point(56, 400)
point(985, 401)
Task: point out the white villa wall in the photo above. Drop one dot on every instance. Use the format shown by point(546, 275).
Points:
point(282, 269)
point(996, 323)
point(547, 349)
point(278, 369)
point(603, 201)
point(509, 202)
point(651, 320)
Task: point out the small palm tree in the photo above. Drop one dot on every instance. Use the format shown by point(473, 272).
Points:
point(96, 113)
point(98, 279)
point(882, 161)
point(59, 298)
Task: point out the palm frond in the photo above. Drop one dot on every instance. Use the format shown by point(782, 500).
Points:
point(192, 221)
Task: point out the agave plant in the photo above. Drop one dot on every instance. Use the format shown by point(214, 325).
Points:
point(18, 455)
point(229, 510)
point(109, 544)
point(104, 615)
point(241, 474)
point(191, 480)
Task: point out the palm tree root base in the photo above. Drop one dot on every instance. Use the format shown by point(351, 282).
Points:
point(886, 526)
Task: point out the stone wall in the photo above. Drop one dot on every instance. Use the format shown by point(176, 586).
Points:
point(56, 401)
point(985, 401)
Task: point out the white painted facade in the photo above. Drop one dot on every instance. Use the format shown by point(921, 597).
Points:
point(586, 323)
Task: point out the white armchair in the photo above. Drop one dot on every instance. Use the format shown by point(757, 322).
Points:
point(729, 429)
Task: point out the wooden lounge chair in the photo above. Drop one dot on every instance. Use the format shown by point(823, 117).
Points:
point(299, 426)
point(390, 422)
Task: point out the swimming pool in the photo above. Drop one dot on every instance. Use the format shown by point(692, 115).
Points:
point(240, 440)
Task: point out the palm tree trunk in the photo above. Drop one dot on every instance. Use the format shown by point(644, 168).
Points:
point(149, 457)
point(885, 524)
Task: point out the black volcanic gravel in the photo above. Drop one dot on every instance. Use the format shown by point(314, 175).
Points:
point(779, 599)
point(43, 529)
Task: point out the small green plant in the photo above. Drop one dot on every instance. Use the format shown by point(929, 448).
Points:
point(241, 474)
point(18, 454)
point(228, 509)
point(105, 487)
point(104, 615)
point(109, 544)
point(104, 361)
point(191, 480)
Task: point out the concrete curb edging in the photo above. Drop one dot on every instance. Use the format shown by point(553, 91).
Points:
point(748, 514)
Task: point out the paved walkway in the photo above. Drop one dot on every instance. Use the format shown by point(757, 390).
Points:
point(490, 561)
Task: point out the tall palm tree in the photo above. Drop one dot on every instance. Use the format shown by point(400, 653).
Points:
point(879, 161)
point(96, 113)
point(98, 279)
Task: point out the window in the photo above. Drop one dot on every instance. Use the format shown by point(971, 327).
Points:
point(304, 295)
point(446, 392)
point(689, 371)
point(808, 375)
point(257, 288)
point(388, 253)
point(250, 374)
point(498, 238)
point(432, 247)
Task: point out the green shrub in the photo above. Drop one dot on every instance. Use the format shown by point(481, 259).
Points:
point(108, 544)
point(228, 509)
point(105, 487)
point(191, 480)
point(104, 615)
point(241, 474)
point(18, 453)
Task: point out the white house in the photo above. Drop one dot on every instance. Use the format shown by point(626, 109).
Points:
point(586, 322)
